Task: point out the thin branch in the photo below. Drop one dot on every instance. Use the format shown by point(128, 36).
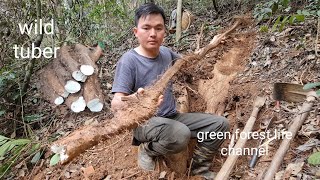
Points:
point(30, 65)
point(316, 44)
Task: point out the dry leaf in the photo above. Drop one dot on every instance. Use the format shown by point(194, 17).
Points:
point(67, 175)
point(293, 169)
point(308, 145)
point(21, 173)
point(279, 175)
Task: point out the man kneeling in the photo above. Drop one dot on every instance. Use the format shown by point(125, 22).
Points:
point(169, 131)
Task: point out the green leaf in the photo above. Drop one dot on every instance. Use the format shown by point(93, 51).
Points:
point(267, 10)
point(264, 29)
point(35, 147)
point(292, 18)
point(20, 142)
point(101, 44)
point(4, 168)
point(260, 18)
point(311, 85)
point(2, 142)
point(275, 25)
point(314, 159)
point(283, 23)
point(318, 13)
point(300, 17)
point(285, 3)
point(2, 112)
point(275, 7)
point(318, 92)
point(306, 12)
point(11, 146)
point(4, 148)
point(36, 158)
point(3, 138)
point(32, 117)
point(54, 159)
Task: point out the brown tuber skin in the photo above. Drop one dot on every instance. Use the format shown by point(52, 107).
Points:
point(135, 113)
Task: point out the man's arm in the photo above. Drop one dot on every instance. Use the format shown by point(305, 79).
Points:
point(117, 103)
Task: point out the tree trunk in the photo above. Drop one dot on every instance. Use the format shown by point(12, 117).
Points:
point(93, 94)
point(76, 102)
point(179, 16)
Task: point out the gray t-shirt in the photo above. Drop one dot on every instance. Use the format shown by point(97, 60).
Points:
point(134, 71)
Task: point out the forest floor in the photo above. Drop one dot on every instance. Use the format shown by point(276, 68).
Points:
point(226, 82)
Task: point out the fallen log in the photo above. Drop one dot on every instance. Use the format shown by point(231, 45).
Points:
point(124, 119)
point(62, 74)
point(93, 94)
point(88, 66)
point(52, 89)
point(293, 129)
point(57, 80)
point(95, 53)
point(52, 97)
point(76, 102)
point(72, 86)
point(227, 167)
point(71, 64)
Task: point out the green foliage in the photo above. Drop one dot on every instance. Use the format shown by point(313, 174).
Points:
point(33, 117)
point(36, 157)
point(2, 112)
point(265, 10)
point(88, 22)
point(279, 12)
point(314, 159)
point(54, 159)
point(264, 29)
point(7, 79)
point(313, 85)
point(13, 149)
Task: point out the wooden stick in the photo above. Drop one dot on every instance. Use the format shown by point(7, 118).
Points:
point(179, 16)
point(199, 37)
point(285, 144)
point(232, 158)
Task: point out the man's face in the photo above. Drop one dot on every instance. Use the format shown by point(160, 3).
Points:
point(150, 31)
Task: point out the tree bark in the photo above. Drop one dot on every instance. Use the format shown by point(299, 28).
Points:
point(51, 87)
point(179, 16)
point(92, 93)
point(76, 102)
point(30, 65)
point(68, 62)
point(85, 60)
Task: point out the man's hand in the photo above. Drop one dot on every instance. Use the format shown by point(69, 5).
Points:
point(119, 99)
point(140, 92)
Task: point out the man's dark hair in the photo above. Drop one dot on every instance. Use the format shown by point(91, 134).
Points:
point(146, 9)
